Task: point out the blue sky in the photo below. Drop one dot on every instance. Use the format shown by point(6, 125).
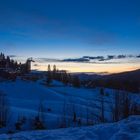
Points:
point(69, 28)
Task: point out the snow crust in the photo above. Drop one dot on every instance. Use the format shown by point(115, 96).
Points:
point(128, 129)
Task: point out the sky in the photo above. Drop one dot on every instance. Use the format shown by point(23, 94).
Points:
point(62, 32)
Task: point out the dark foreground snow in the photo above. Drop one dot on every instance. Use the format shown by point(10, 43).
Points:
point(128, 129)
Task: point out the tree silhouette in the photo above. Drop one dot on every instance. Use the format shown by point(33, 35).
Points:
point(49, 75)
point(4, 109)
point(76, 81)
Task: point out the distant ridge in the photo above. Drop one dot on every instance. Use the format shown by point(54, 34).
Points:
point(129, 80)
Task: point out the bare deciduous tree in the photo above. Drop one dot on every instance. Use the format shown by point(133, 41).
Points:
point(122, 105)
point(4, 109)
point(102, 105)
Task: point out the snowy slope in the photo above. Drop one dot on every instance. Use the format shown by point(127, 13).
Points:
point(128, 129)
point(58, 101)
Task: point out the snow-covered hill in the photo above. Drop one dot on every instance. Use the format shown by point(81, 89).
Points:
point(58, 104)
point(128, 129)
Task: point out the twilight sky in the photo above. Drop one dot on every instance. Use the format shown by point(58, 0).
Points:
point(63, 31)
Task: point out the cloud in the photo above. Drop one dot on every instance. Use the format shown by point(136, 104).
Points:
point(102, 58)
point(42, 60)
point(36, 65)
point(76, 60)
point(111, 57)
point(138, 56)
point(90, 59)
point(96, 59)
point(13, 56)
point(121, 56)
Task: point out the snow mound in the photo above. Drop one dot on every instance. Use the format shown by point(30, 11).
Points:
point(128, 129)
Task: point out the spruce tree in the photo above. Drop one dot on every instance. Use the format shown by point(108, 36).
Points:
point(49, 75)
point(54, 71)
point(76, 82)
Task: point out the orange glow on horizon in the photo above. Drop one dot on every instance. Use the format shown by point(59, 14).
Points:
point(87, 67)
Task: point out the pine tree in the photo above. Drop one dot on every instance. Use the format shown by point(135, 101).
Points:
point(49, 75)
point(65, 78)
point(54, 71)
point(7, 62)
point(76, 81)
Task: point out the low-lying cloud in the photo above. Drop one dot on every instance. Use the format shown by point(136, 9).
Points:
point(89, 59)
point(13, 56)
point(99, 58)
point(76, 60)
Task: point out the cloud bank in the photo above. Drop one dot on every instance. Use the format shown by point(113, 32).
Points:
point(90, 59)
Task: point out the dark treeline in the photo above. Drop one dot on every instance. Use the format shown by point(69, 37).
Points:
point(62, 76)
point(6, 62)
point(127, 81)
point(9, 68)
point(126, 85)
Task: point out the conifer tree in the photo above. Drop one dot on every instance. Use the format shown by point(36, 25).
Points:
point(54, 71)
point(76, 81)
point(65, 78)
point(49, 75)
